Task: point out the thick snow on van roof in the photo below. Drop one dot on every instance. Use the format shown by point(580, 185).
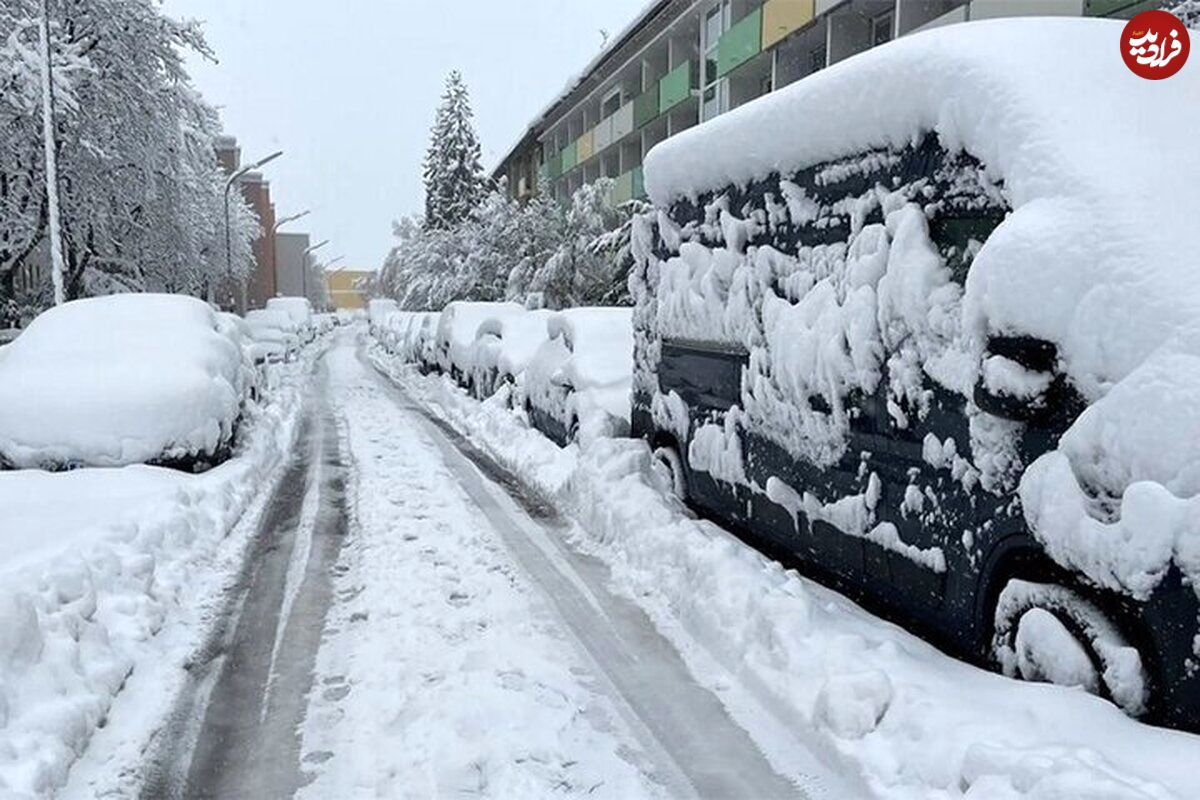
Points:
point(1099, 164)
point(1099, 254)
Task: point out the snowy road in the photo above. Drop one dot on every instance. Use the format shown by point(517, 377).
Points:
point(414, 626)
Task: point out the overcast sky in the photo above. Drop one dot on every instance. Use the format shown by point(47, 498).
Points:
point(348, 90)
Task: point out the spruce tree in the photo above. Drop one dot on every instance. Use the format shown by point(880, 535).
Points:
point(454, 179)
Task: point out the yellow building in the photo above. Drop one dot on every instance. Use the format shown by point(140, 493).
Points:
point(348, 288)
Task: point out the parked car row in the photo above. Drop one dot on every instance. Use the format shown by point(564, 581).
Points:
point(139, 379)
point(568, 370)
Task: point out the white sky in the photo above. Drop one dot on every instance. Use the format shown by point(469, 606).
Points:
point(348, 89)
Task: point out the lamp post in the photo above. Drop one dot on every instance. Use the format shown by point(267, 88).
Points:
point(56, 253)
point(275, 229)
point(228, 236)
point(304, 271)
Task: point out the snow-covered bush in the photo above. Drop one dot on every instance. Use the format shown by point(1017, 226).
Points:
point(120, 380)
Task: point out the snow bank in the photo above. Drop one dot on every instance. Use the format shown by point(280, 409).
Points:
point(872, 698)
point(99, 562)
point(1097, 256)
point(120, 380)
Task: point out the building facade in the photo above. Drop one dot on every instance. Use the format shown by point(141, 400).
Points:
point(291, 262)
point(348, 288)
point(682, 62)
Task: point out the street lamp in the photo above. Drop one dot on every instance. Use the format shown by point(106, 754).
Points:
point(304, 271)
point(280, 223)
point(228, 185)
point(275, 229)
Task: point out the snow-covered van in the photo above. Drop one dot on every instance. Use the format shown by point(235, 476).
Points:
point(928, 323)
point(577, 385)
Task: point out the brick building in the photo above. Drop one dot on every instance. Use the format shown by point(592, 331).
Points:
point(256, 191)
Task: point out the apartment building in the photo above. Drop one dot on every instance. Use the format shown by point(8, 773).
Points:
point(348, 288)
point(681, 62)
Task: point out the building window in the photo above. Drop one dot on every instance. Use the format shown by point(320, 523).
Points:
point(817, 59)
point(611, 103)
point(715, 97)
point(881, 29)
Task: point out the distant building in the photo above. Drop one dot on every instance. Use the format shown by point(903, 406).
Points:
point(683, 62)
point(348, 288)
point(291, 259)
point(260, 286)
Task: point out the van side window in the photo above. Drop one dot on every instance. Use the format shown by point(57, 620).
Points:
point(707, 376)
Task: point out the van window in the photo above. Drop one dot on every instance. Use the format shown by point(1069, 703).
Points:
point(704, 375)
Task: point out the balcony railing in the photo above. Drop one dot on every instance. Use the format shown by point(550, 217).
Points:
point(740, 43)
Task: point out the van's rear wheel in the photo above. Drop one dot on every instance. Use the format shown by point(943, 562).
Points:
point(1048, 633)
point(668, 465)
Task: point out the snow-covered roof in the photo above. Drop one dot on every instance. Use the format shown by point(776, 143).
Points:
point(649, 10)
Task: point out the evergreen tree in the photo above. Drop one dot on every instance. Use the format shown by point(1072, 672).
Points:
point(454, 178)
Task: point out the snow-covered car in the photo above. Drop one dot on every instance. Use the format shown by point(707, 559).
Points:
point(457, 325)
point(126, 379)
point(273, 336)
point(927, 331)
point(301, 312)
point(503, 348)
point(378, 310)
point(325, 322)
point(577, 385)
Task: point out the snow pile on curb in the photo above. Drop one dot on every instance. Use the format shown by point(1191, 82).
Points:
point(913, 722)
point(97, 562)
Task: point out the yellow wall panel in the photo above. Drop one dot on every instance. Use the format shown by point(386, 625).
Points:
point(587, 146)
point(781, 17)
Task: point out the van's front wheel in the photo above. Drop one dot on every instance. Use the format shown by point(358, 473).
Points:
point(1049, 633)
point(669, 467)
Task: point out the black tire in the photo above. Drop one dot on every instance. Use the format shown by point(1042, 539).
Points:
point(1032, 617)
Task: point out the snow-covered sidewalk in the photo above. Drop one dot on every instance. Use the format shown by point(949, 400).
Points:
point(443, 672)
point(884, 705)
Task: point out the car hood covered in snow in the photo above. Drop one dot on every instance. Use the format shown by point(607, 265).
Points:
point(1098, 255)
point(119, 380)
